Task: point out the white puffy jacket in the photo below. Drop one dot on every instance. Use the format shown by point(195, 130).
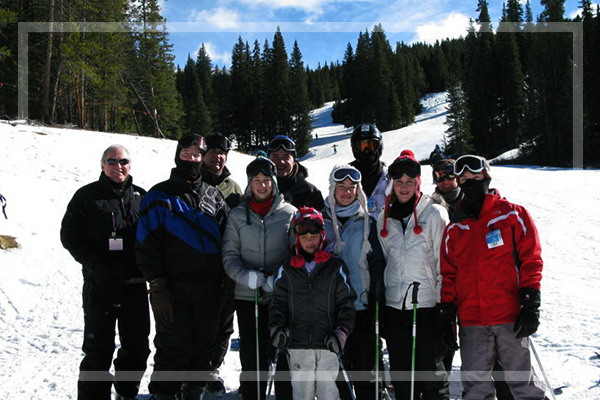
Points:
point(414, 258)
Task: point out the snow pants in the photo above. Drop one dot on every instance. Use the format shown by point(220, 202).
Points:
point(185, 347)
point(431, 379)
point(247, 331)
point(314, 372)
point(359, 358)
point(479, 348)
point(132, 318)
point(226, 316)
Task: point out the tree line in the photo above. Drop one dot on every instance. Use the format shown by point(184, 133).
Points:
point(508, 88)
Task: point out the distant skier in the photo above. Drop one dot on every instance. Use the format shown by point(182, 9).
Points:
point(436, 155)
point(335, 148)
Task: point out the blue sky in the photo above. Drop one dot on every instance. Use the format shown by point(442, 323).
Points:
point(323, 28)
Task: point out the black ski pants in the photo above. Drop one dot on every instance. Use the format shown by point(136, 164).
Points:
point(100, 318)
point(431, 380)
point(184, 347)
point(247, 331)
point(226, 317)
point(359, 358)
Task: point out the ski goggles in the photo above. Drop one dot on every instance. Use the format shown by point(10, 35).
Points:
point(404, 166)
point(340, 174)
point(310, 227)
point(261, 165)
point(192, 140)
point(445, 172)
point(114, 161)
point(475, 164)
point(282, 142)
point(367, 144)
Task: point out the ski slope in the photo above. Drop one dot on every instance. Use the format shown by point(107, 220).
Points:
point(41, 320)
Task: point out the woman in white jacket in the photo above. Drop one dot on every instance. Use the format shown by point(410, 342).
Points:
point(411, 229)
point(258, 239)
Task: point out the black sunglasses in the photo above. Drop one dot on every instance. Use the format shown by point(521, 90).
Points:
point(114, 161)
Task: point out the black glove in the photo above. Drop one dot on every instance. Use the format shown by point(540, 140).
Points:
point(335, 341)
point(280, 337)
point(377, 294)
point(161, 300)
point(121, 270)
point(445, 326)
point(528, 319)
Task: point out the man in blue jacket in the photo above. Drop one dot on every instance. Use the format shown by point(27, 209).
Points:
point(178, 249)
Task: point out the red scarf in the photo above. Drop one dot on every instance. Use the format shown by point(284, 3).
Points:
point(261, 208)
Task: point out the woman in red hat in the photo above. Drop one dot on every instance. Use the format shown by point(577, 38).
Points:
point(411, 229)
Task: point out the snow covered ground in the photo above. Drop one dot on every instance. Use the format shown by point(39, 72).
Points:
point(41, 321)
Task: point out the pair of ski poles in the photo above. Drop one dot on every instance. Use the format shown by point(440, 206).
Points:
point(415, 302)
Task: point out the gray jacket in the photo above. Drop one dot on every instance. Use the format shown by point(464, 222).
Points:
point(253, 242)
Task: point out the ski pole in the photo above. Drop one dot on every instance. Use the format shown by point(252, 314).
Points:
point(257, 343)
point(272, 373)
point(352, 395)
point(415, 302)
point(537, 358)
point(376, 350)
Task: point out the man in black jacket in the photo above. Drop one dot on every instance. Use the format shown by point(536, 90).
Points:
point(178, 249)
point(98, 229)
point(291, 175)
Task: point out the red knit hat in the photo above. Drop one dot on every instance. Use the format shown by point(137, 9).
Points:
point(405, 164)
point(307, 215)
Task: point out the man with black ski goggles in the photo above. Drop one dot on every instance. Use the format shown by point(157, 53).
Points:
point(475, 164)
point(282, 142)
point(340, 174)
point(444, 172)
point(404, 166)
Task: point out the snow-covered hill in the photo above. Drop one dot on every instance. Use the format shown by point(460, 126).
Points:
point(40, 284)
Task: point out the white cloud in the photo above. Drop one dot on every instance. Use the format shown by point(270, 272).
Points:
point(312, 6)
point(577, 12)
point(454, 26)
point(216, 57)
point(223, 18)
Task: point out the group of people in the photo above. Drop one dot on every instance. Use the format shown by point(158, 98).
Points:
point(314, 282)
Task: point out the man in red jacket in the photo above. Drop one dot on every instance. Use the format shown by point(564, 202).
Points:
point(492, 267)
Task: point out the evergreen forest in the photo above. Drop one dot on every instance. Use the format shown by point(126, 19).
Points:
point(510, 83)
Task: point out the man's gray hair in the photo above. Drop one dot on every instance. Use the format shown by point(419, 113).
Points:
point(114, 146)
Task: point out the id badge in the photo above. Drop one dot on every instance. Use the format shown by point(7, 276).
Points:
point(494, 239)
point(370, 204)
point(115, 243)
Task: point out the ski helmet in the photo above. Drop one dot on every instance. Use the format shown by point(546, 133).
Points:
point(362, 132)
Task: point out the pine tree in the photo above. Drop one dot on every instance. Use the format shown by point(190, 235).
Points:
point(386, 108)
point(205, 76)
point(241, 94)
point(459, 139)
point(197, 118)
point(276, 82)
point(151, 75)
point(299, 104)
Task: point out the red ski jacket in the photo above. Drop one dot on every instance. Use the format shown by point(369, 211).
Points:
point(485, 261)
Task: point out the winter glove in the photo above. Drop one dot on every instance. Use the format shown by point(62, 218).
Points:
point(335, 341)
point(445, 326)
point(528, 319)
point(268, 286)
point(255, 279)
point(161, 300)
point(102, 273)
point(121, 270)
point(280, 337)
point(377, 294)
